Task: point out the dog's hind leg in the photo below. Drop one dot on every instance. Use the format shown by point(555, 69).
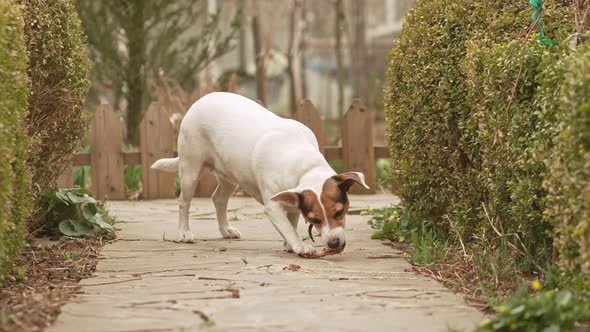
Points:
point(189, 177)
point(220, 198)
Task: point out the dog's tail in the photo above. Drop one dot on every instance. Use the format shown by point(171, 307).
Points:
point(166, 164)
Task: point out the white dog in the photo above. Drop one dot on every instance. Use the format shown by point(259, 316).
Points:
point(274, 160)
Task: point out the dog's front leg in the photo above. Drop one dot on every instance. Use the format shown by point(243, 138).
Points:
point(276, 214)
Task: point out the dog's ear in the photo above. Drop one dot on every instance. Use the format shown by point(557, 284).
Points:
point(289, 197)
point(346, 180)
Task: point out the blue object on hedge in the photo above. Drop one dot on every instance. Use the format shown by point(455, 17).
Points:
point(538, 4)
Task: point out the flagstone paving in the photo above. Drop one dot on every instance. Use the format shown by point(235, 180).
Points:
point(144, 282)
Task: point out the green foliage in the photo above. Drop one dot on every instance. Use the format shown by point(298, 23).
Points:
point(469, 149)
point(58, 69)
point(569, 180)
point(425, 241)
point(383, 170)
point(515, 136)
point(552, 310)
point(486, 261)
point(73, 212)
point(14, 94)
point(426, 107)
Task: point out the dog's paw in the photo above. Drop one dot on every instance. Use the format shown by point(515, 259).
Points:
point(304, 250)
point(185, 236)
point(230, 233)
point(287, 247)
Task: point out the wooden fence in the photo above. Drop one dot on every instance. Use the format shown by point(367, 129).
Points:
point(107, 159)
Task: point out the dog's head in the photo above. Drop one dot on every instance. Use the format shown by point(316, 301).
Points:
point(326, 209)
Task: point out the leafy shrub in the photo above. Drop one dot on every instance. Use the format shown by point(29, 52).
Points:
point(568, 183)
point(73, 212)
point(56, 119)
point(553, 310)
point(515, 135)
point(14, 95)
point(467, 149)
point(426, 109)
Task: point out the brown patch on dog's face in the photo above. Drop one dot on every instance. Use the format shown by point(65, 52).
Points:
point(335, 202)
point(311, 208)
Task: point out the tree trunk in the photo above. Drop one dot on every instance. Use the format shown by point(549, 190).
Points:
point(260, 61)
point(242, 60)
point(134, 75)
point(359, 52)
point(303, 62)
point(294, 56)
point(339, 10)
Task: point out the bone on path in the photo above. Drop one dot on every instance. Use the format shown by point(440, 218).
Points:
point(143, 283)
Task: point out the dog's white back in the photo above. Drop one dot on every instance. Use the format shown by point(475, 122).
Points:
point(247, 144)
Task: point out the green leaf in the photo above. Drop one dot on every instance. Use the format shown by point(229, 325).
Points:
point(563, 298)
point(75, 228)
point(378, 235)
point(89, 210)
point(75, 198)
point(99, 221)
point(61, 197)
point(552, 328)
point(517, 310)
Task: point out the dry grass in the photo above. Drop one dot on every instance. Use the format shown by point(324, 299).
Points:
point(44, 278)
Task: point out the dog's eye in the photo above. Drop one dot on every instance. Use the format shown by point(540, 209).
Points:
point(315, 220)
point(338, 214)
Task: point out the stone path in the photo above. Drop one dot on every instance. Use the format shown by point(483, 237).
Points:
point(143, 283)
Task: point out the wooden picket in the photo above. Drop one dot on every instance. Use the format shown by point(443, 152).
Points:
point(106, 156)
point(156, 141)
point(357, 145)
point(309, 116)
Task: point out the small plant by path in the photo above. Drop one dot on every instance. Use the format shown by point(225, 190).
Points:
point(74, 212)
point(492, 272)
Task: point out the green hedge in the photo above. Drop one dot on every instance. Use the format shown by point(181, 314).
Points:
point(56, 119)
point(464, 150)
point(429, 130)
point(568, 207)
point(14, 95)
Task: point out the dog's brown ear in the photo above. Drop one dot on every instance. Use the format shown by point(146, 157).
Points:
point(346, 180)
point(290, 198)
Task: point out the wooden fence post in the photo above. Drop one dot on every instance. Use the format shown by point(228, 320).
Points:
point(106, 156)
point(156, 141)
point(357, 145)
point(309, 116)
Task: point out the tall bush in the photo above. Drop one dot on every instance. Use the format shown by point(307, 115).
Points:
point(468, 150)
point(56, 119)
point(429, 132)
point(515, 132)
point(568, 183)
point(14, 94)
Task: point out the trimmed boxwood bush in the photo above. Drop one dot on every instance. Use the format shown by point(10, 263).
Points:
point(568, 183)
point(457, 139)
point(429, 132)
point(56, 118)
point(515, 136)
point(14, 92)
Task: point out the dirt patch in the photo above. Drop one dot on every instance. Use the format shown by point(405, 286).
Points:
point(44, 277)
